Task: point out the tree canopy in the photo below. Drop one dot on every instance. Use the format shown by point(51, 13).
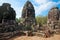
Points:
point(41, 19)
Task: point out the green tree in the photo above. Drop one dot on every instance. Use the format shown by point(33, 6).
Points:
point(18, 20)
point(41, 19)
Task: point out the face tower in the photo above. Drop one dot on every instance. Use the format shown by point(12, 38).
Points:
point(53, 18)
point(28, 14)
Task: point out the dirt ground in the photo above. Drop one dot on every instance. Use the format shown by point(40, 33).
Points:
point(55, 37)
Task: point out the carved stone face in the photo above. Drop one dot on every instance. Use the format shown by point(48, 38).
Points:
point(29, 5)
point(28, 14)
point(28, 10)
point(7, 12)
point(7, 7)
point(53, 17)
point(53, 14)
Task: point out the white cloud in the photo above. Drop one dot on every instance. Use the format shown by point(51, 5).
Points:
point(41, 1)
point(58, 3)
point(44, 5)
point(19, 12)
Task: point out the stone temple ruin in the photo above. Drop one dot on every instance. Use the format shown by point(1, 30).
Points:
point(9, 27)
point(54, 18)
point(28, 14)
point(7, 17)
point(7, 20)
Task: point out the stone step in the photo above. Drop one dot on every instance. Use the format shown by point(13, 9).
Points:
point(7, 35)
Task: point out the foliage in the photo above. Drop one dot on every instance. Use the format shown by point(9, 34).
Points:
point(41, 19)
point(18, 20)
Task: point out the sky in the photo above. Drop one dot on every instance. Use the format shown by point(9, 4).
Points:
point(41, 7)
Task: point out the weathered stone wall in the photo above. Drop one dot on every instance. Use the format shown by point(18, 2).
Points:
point(28, 14)
point(7, 12)
point(8, 25)
point(53, 18)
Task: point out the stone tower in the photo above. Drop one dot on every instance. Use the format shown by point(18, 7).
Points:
point(7, 18)
point(53, 18)
point(28, 14)
point(8, 25)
